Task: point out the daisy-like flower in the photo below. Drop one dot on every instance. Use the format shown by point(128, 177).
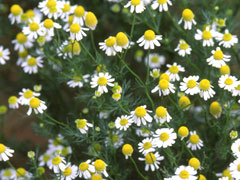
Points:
point(123, 122)
point(91, 20)
point(135, 5)
point(68, 22)
point(143, 132)
point(149, 40)
point(66, 10)
point(207, 36)
point(79, 15)
point(227, 82)
point(78, 81)
point(190, 85)
point(21, 174)
point(236, 90)
point(161, 4)
point(152, 161)
point(70, 172)
point(36, 105)
point(194, 141)
point(55, 144)
point(185, 173)
point(188, 18)
point(155, 73)
point(83, 125)
point(206, 91)
point(21, 42)
point(69, 48)
point(32, 64)
point(48, 27)
point(7, 174)
point(5, 152)
point(147, 145)
point(85, 168)
point(26, 95)
point(109, 46)
point(164, 137)
point(183, 48)
point(102, 80)
point(161, 115)
point(236, 148)
point(13, 102)
point(22, 57)
point(77, 32)
point(215, 109)
point(140, 115)
point(127, 150)
point(184, 102)
point(51, 8)
point(34, 29)
point(164, 87)
point(155, 60)
point(57, 164)
point(227, 39)
point(183, 132)
point(234, 168)
point(174, 70)
point(16, 13)
point(100, 167)
point(218, 59)
point(122, 42)
point(4, 55)
point(45, 158)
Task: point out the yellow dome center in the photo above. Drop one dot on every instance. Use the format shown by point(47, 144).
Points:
point(140, 112)
point(162, 1)
point(215, 108)
point(21, 38)
point(110, 41)
point(56, 161)
point(46, 157)
point(20, 172)
point(155, 59)
point(135, 2)
point(187, 15)
point(191, 84)
point(206, 35)
point(32, 61)
point(7, 173)
point(79, 11)
point(164, 136)
point(34, 103)
point(173, 69)
point(12, 100)
point(194, 139)
point(81, 123)
point(34, 26)
point(66, 8)
point(184, 174)
point(51, 3)
point(123, 121)
point(2, 148)
point(163, 84)
point(16, 10)
point(225, 70)
point(127, 149)
point(227, 37)
point(90, 19)
point(77, 78)
point(28, 94)
point(83, 166)
point(96, 177)
point(228, 81)
point(218, 55)
point(75, 28)
point(204, 85)
point(150, 158)
point(149, 35)
point(48, 23)
point(147, 145)
point(165, 76)
point(122, 39)
point(67, 171)
point(194, 162)
point(161, 112)
point(183, 46)
point(99, 165)
point(102, 81)
point(183, 131)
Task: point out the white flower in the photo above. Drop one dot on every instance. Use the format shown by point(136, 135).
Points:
point(206, 91)
point(16, 13)
point(66, 10)
point(164, 137)
point(78, 81)
point(207, 36)
point(155, 60)
point(164, 87)
point(22, 57)
point(102, 80)
point(227, 82)
point(183, 48)
point(4, 55)
point(147, 145)
point(85, 168)
point(122, 42)
point(227, 39)
point(21, 42)
point(26, 95)
point(109, 46)
point(161, 115)
point(143, 132)
point(223, 178)
point(34, 29)
point(162, 4)
point(79, 15)
point(149, 40)
point(57, 164)
point(218, 59)
point(135, 5)
point(123, 122)
point(100, 167)
point(190, 85)
point(77, 32)
point(234, 169)
point(236, 90)
point(152, 161)
point(5, 152)
point(155, 73)
point(188, 18)
point(69, 48)
point(7, 174)
point(174, 70)
point(194, 141)
point(185, 173)
point(70, 172)
point(45, 158)
point(51, 8)
point(21, 174)
point(13, 102)
point(236, 148)
point(37, 105)
point(48, 27)
point(140, 115)
point(83, 125)
point(31, 65)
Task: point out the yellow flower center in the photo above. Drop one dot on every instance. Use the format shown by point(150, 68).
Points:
point(218, 55)
point(34, 103)
point(51, 3)
point(30, 13)
point(46, 157)
point(34, 26)
point(115, 138)
point(102, 81)
point(227, 173)
point(202, 177)
point(21, 38)
point(77, 78)
point(53, 9)
point(48, 23)
point(161, 112)
point(183, 46)
point(116, 96)
point(206, 35)
point(184, 174)
point(22, 54)
point(122, 39)
point(66, 8)
point(204, 85)
point(79, 11)
point(150, 158)
point(227, 37)
point(123, 122)
point(83, 166)
point(135, 2)
point(238, 87)
point(75, 28)
point(110, 41)
point(194, 139)
point(90, 19)
point(149, 35)
point(225, 70)
point(127, 149)
point(16, 10)
point(32, 61)
point(162, 1)
point(0, 54)
point(164, 136)
point(215, 108)
point(165, 76)
point(2, 148)
point(67, 171)
point(147, 145)
point(81, 123)
point(28, 94)
point(12, 100)
point(183, 131)
point(173, 69)
point(184, 101)
point(96, 177)
point(140, 112)
point(70, 19)
point(145, 131)
point(7, 173)
point(20, 172)
point(238, 167)
point(56, 160)
point(194, 162)
point(24, 17)
point(99, 165)
point(187, 15)
point(228, 81)
point(191, 84)
point(163, 84)
point(154, 59)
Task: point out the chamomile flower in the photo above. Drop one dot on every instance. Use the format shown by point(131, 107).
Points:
point(57, 164)
point(174, 70)
point(7, 174)
point(45, 158)
point(78, 81)
point(36, 105)
point(4, 55)
point(69, 48)
point(188, 18)
point(140, 115)
point(15, 14)
point(68, 22)
point(215, 109)
point(34, 29)
point(22, 57)
point(79, 15)
point(51, 8)
point(218, 59)
point(77, 32)
point(236, 90)
point(234, 168)
point(185, 173)
point(149, 40)
point(127, 150)
point(32, 64)
point(236, 148)
point(206, 91)
point(85, 168)
point(164, 87)
point(155, 60)
point(183, 132)
point(102, 80)
point(206, 35)
point(109, 46)
point(194, 142)
point(227, 39)
point(227, 82)
point(152, 161)
point(100, 167)
point(161, 115)
point(48, 27)
point(155, 73)
point(143, 132)
point(26, 95)
point(21, 42)
point(123, 122)
point(190, 85)
point(147, 145)
point(21, 174)
point(83, 125)
point(184, 102)
point(5, 152)
point(66, 10)
point(164, 137)
point(91, 20)
point(13, 102)
point(183, 48)
point(135, 5)
point(70, 172)
point(161, 4)
point(122, 42)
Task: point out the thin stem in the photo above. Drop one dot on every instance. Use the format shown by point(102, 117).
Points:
point(54, 120)
point(92, 40)
point(190, 152)
point(124, 110)
point(147, 78)
point(135, 165)
point(90, 55)
point(133, 24)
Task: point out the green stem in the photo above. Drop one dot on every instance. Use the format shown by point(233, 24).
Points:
point(124, 110)
point(55, 121)
point(190, 152)
point(135, 165)
point(89, 54)
point(92, 40)
point(133, 24)
point(147, 78)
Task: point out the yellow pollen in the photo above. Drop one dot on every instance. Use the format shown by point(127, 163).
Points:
point(162, 1)
point(218, 55)
point(83, 166)
point(16, 10)
point(149, 35)
point(238, 87)
point(67, 171)
point(183, 131)
point(51, 3)
point(194, 139)
point(96, 177)
point(206, 35)
point(215, 108)
point(122, 39)
point(184, 174)
point(238, 167)
point(102, 81)
point(194, 162)
point(187, 15)
point(123, 122)
point(53, 9)
point(150, 158)
point(204, 85)
point(34, 26)
point(66, 8)
point(228, 81)
point(7, 173)
point(163, 84)
point(22, 54)
point(154, 59)
point(135, 2)
point(184, 101)
point(227, 173)
point(140, 112)
point(227, 37)
point(48, 23)
point(183, 46)
point(77, 78)
point(30, 13)
point(46, 157)
point(34, 103)
point(164, 136)
point(28, 94)
point(21, 38)
point(127, 149)
point(0, 54)
point(191, 84)
point(99, 165)
point(2, 148)
point(20, 172)
point(147, 145)
point(12, 100)
point(225, 70)
point(32, 61)
point(173, 69)
point(91, 19)
point(79, 11)
point(110, 41)
point(70, 19)
point(161, 112)
point(75, 28)
point(56, 160)
point(81, 123)
point(165, 76)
